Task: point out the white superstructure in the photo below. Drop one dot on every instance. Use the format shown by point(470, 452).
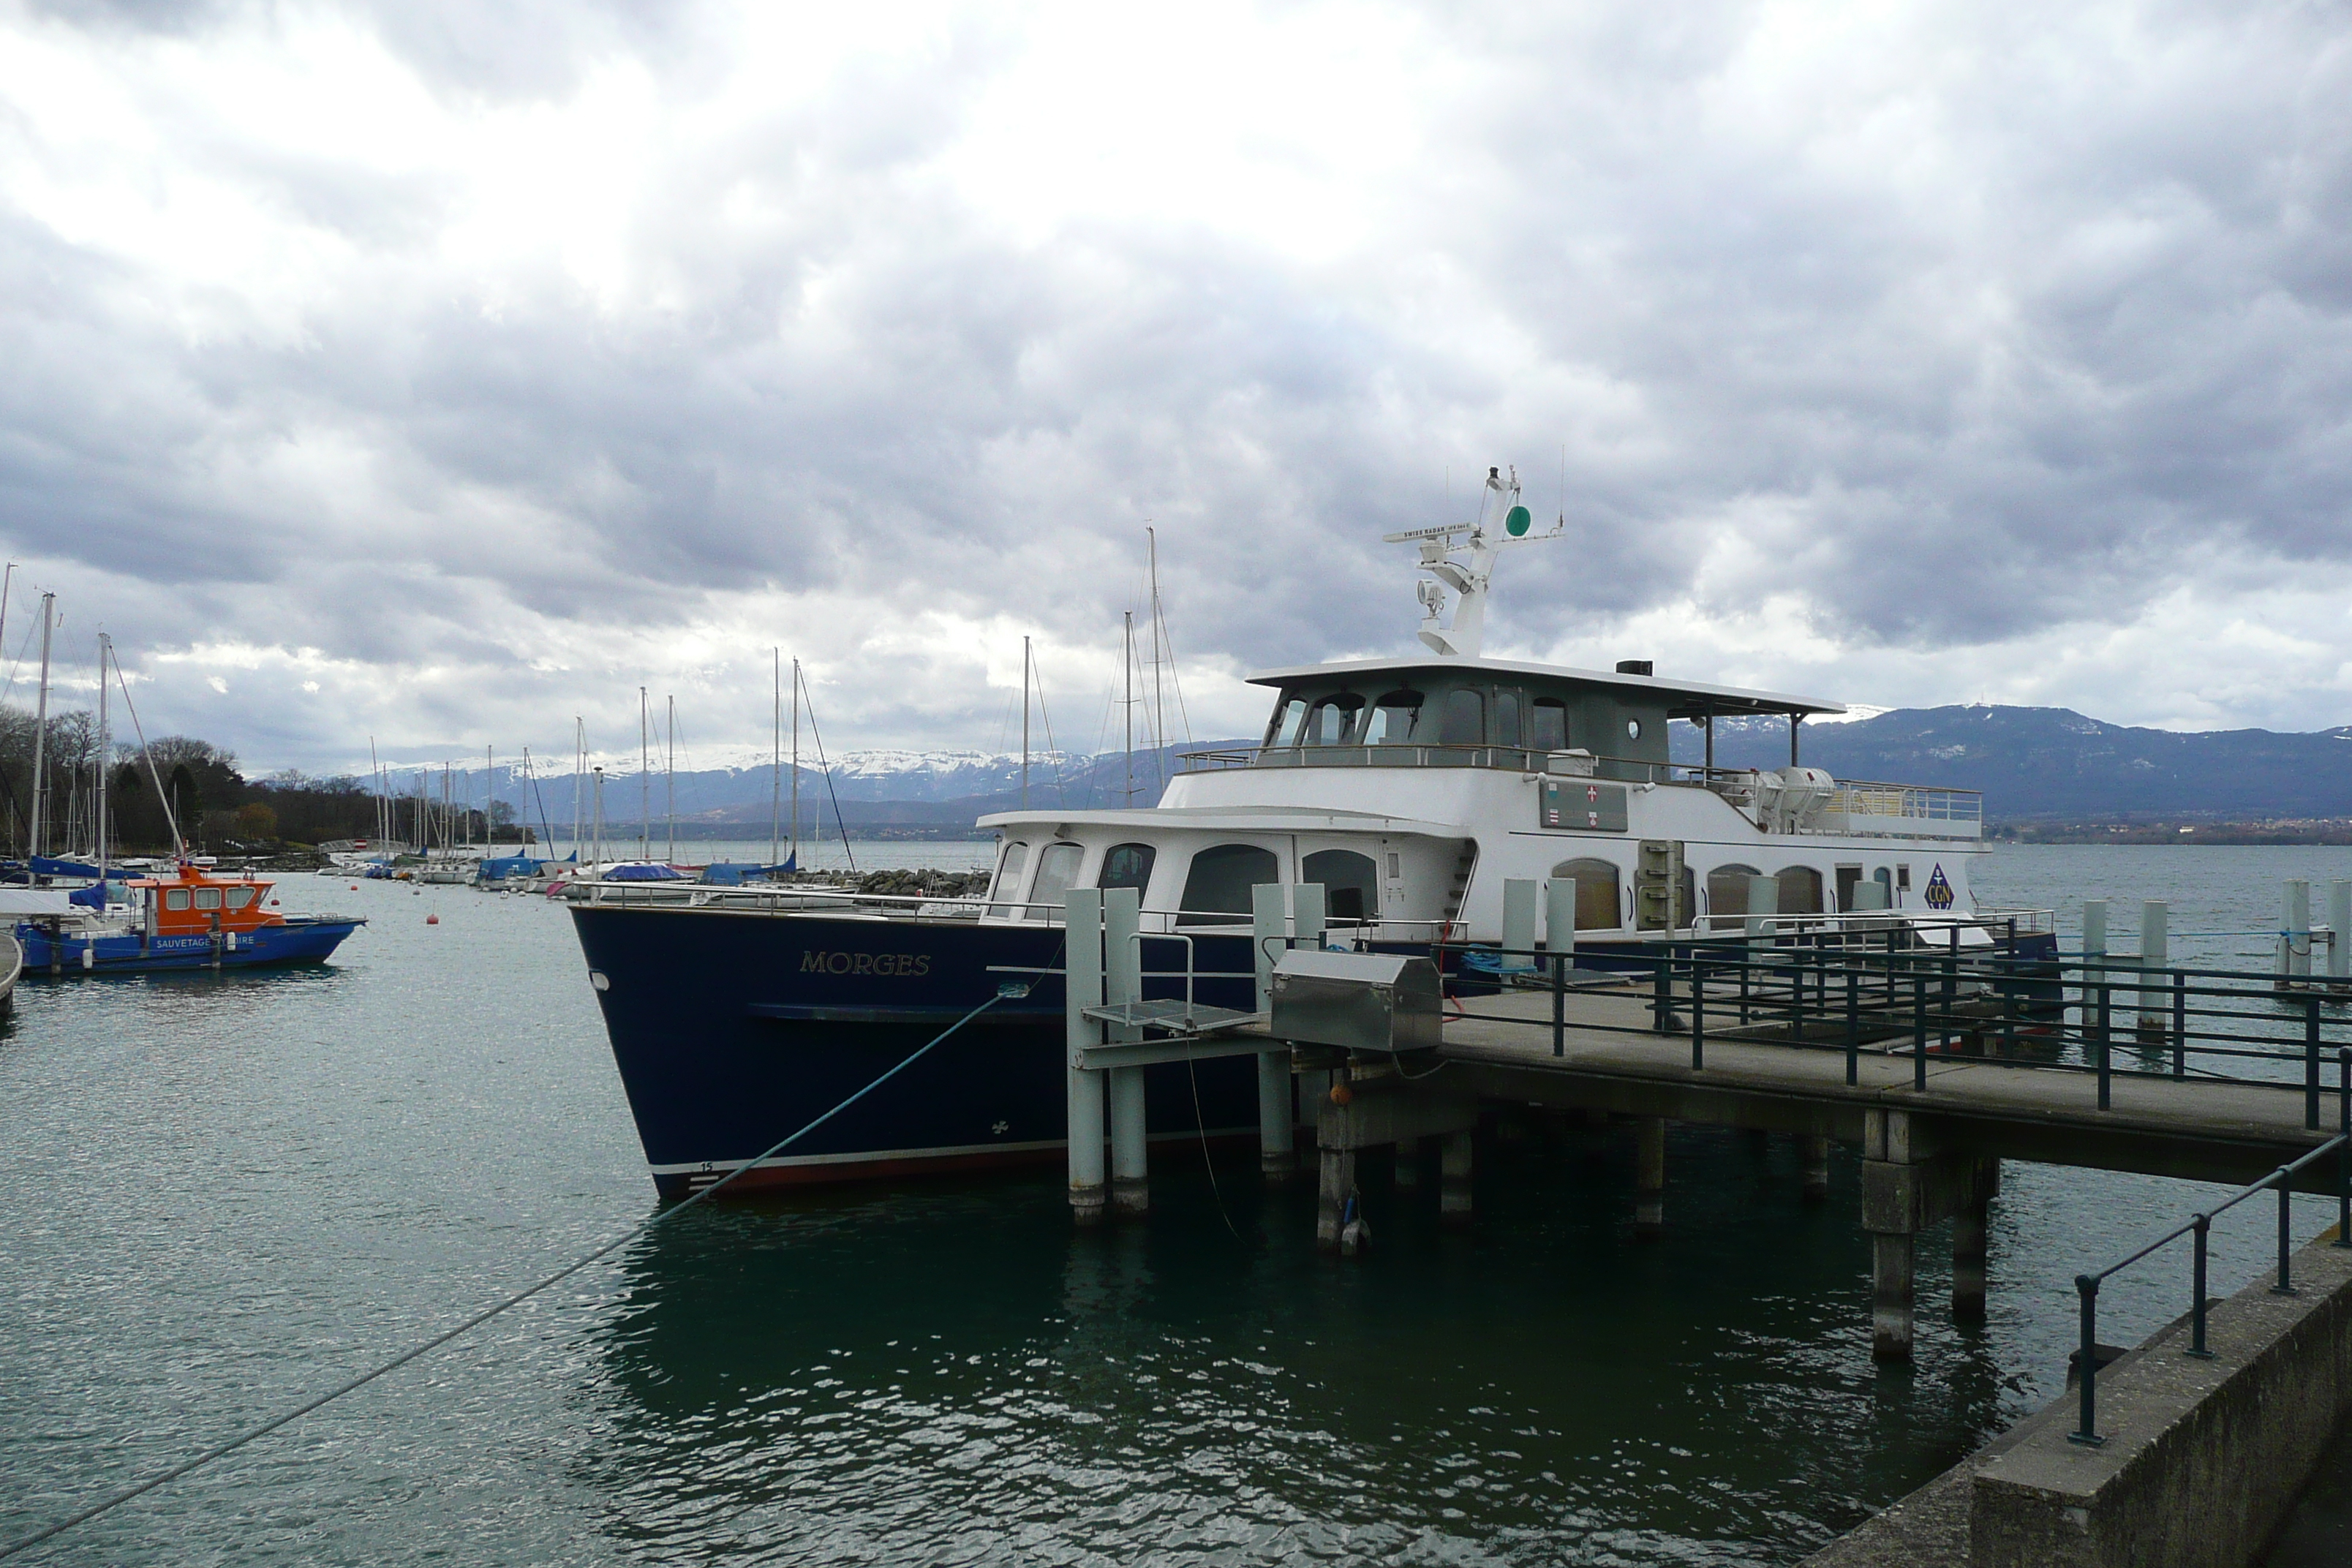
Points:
point(1413, 789)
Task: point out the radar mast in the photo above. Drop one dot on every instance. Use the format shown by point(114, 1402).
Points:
point(1478, 543)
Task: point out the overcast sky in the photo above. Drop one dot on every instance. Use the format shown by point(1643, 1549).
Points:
point(439, 371)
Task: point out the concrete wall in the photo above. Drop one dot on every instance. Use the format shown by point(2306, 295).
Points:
point(2203, 1459)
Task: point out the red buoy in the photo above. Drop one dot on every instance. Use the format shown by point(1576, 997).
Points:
point(432, 920)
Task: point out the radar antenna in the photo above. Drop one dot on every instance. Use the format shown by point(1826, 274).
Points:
point(1468, 578)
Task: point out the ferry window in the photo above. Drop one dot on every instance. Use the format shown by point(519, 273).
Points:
point(1350, 881)
point(1597, 906)
point(1333, 718)
point(1632, 729)
point(1288, 719)
point(1550, 730)
point(1727, 890)
point(1394, 718)
point(208, 898)
point(175, 899)
point(239, 897)
point(1221, 878)
point(1884, 880)
point(1127, 866)
point(1466, 718)
point(1800, 890)
point(1506, 718)
point(1057, 868)
point(1008, 877)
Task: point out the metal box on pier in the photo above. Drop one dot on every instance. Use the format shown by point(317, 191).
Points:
point(1356, 1000)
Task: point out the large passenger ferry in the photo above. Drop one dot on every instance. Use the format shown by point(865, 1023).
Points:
point(1411, 789)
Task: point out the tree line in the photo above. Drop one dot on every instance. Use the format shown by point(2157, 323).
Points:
point(217, 806)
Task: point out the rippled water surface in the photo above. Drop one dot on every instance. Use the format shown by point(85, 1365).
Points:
point(218, 1195)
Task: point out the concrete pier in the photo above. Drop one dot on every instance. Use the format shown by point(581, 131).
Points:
point(1650, 1177)
point(1816, 1150)
point(1453, 1180)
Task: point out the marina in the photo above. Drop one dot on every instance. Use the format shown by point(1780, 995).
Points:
point(735, 1383)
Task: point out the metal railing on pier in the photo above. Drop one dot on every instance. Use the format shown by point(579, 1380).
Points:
point(2200, 1226)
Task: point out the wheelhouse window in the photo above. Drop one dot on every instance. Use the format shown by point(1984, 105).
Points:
point(239, 897)
point(1506, 718)
point(1464, 723)
point(1598, 907)
point(1221, 878)
point(175, 897)
point(1394, 719)
point(1289, 721)
point(1548, 731)
point(1352, 883)
point(1126, 866)
point(1015, 861)
point(1057, 868)
point(208, 898)
point(1800, 890)
point(1727, 890)
point(1333, 719)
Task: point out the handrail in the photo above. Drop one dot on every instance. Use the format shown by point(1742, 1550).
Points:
point(2087, 1285)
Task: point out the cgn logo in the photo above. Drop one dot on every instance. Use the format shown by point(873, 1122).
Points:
point(1939, 889)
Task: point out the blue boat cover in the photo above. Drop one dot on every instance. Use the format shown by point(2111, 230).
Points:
point(642, 872)
point(729, 874)
point(509, 866)
point(43, 866)
point(92, 896)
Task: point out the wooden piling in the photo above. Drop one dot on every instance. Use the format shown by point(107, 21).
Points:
point(1890, 1286)
point(1338, 1184)
point(1970, 1228)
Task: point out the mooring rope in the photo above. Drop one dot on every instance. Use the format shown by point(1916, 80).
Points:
point(484, 1316)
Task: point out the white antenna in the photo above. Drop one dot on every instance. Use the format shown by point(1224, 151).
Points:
point(1463, 636)
point(1025, 723)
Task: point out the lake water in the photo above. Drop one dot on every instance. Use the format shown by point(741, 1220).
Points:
point(220, 1194)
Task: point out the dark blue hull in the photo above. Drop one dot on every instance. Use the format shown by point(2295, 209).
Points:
point(299, 941)
point(732, 1028)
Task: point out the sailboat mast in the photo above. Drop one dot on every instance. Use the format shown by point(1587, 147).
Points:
point(579, 776)
point(1129, 707)
point(776, 756)
point(1159, 700)
point(105, 747)
point(669, 780)
point(490, 799)
point(645, 778)
point(41, 735)
point(796, 761)
point(1025, 723)
point(375, 787)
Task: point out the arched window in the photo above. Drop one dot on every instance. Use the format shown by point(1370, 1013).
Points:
point(1015, 861)
point(1057, 868)
point(1289, 722)
point(1394, 719)
point(1598, 907)
point(1800, 890)
point(1127, 866)
point(1464, 723)
point(1352, 883)
point(1548, 732)
point(1219, 880)
point(1331, 720)
point(1727, 890)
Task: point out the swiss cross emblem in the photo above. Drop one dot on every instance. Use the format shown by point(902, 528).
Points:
point(1592, 792)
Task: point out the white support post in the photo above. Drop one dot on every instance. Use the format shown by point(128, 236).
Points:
point(1559, 919)
point(1083, 988)
point(2094, 956)
point(1275, 1126)
point(1518, 924)
point(2155, 958)
point(1130, 1173)
point(1307, 898)
point(2340, 933)
point(2296, 938)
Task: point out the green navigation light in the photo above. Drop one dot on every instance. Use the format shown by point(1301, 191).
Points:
point(1516, 520)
